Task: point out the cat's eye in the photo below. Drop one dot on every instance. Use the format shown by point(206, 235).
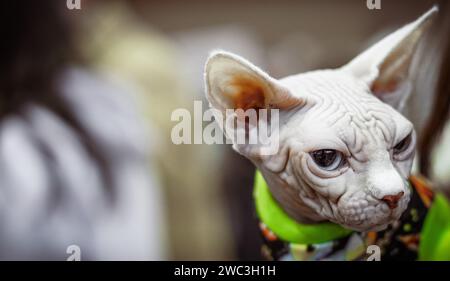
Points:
point(328, 159)
point(402, 145)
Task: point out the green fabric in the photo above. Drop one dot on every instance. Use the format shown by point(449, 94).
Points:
point(286, 228)
point(435, 236)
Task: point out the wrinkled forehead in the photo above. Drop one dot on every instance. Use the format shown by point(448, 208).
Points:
point(334, 85)
point(345, 108)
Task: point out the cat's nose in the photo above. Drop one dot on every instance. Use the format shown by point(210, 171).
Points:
point(392, 200)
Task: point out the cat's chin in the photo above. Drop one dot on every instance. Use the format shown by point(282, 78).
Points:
point(375, 228)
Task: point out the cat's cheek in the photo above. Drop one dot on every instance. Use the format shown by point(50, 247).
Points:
point(404, 168)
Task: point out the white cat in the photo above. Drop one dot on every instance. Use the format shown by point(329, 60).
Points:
point(345, 152)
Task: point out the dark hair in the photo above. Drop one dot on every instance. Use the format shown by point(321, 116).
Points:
point(37, 45)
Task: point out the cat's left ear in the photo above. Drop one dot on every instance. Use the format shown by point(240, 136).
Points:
point(385, 66)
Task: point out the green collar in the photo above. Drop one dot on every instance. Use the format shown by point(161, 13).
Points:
point(286, 228)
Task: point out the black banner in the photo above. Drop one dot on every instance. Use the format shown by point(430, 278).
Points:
point(229, 270)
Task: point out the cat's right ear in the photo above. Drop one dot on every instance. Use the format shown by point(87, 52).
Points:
point(234, 83)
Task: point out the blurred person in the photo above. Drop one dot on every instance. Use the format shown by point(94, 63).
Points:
point(75, 158)
point(118, 39)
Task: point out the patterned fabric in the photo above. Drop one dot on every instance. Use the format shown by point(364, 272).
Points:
point(400, 241)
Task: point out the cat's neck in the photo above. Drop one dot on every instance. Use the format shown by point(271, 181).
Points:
point(290, 201)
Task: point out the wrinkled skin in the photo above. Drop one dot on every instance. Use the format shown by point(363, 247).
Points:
point(341, 115)
point(350, 111)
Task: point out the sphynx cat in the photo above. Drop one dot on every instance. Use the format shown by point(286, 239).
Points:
point(345, 152)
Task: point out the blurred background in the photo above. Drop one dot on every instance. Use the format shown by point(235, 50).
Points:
point(85, 138)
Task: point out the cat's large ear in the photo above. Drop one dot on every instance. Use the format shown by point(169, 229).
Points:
point(234, 83)
point(386, 65)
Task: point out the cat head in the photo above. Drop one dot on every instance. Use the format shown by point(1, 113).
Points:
point(345, 152)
